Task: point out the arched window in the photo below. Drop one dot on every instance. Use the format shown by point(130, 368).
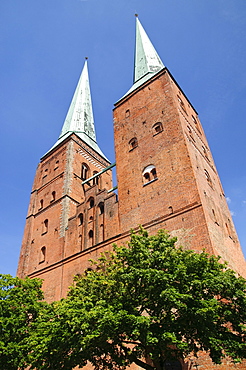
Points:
point(133, 143)
point(42, 255)
point(149, 174)
point(101, 208)
point(84, 171)
point(90, 239)
point(91, 202)
point(53, 196)
point(170, 210)
point(157, 128)
point(81, 219)
point(101, 233)
point(45, 226)
point(80, 241)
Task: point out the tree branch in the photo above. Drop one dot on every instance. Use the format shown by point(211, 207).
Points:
point(134, 358)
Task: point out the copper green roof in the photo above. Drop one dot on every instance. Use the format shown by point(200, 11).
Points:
point(79, 118)
point(147, 61)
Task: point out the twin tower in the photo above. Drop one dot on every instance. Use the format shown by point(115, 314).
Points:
point(166, 179)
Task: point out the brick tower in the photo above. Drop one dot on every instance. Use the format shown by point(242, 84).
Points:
point(166, 174)
point(62, 220)
point(166, 178)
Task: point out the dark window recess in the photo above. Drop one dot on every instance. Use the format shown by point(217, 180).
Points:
point(84, 172)
point(133, 143)
point(96, 179)
point(42, 254)
point(81, 218)
point(157, 128)
point(45, 226)
point(53, 196)
point(101, 208)
point(91, 202)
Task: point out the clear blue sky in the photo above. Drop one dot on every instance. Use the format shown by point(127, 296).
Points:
point(42, 46)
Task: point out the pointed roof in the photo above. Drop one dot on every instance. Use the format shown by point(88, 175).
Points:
point(79, 118)
point(147, 61)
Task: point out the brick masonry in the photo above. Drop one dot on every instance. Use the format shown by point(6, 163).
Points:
point(166, 178)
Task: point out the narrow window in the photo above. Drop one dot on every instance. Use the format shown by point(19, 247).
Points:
point(101, 208)
point(214, 217)
point(42, 255)
point(96, 179)
point(127, 113)
point(101, 233)
point(81, 219)
point(133, 143)
point(45, 226)
point(53, 194)
point(147, 176)
point(170, 210)
point(157, 128)
point(41, 204)
point(90, 241)
point(154, 174)
point(91, 202)
point(84, 172)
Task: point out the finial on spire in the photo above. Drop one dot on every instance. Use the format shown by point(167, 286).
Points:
point(136, 15)
point(86, 58)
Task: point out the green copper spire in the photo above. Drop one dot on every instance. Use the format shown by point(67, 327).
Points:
point(147, 61)
point(79, 119)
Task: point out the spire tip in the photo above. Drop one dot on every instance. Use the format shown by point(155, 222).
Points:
point(86, 58)
point(136, 15)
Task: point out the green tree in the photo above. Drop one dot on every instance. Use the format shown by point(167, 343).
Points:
point(20, 304)
point(146, 303)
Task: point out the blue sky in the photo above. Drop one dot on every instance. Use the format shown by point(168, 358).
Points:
point(43, 44)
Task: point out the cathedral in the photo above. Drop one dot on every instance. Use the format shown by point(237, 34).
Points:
point(166, 179)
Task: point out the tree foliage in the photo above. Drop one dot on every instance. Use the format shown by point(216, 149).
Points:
point(145, 303)
point(20, 304)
